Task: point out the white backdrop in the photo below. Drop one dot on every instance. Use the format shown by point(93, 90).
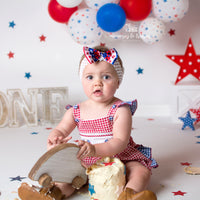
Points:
point(54, 62)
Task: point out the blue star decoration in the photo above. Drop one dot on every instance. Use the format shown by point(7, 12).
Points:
point(17, 178)
point(34, 133)
point(140, 70)
point(188, 121)
point(12, 24)
point(27, 75)
point(91, 189)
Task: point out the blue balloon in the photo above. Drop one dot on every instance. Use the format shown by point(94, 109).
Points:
point(111, 17)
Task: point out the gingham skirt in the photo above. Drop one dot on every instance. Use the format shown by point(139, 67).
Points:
point(133, 152)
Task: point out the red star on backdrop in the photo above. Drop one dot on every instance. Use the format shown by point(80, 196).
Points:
point(171, 32)
point(42, 38)
point(179, 193)
point(10, 55)
point(189, 63)
point(102, 44)
point(186, 163)
point(197, 113)
point(150, 119)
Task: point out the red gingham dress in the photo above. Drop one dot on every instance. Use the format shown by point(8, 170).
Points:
point(99, 130)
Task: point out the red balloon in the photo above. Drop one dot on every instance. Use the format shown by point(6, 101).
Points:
point(59, 13)
point(136, 10)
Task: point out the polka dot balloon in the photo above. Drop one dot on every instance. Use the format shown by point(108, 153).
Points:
point(96, 4)
point(83, 27)
point(151, 30)
point(170, 10)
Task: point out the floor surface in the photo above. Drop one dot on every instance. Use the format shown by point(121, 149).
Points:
point(172, 147)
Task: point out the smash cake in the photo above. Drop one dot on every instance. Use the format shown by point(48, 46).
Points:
point(106, 179)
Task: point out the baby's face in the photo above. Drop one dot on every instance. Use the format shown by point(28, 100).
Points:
point(100, 81)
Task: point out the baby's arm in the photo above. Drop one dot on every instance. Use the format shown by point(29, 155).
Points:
point(61, 133)
point(121, 134)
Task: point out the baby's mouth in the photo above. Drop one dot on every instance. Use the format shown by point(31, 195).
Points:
point(97, 92)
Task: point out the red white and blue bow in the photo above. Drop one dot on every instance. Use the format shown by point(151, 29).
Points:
point(94, 55)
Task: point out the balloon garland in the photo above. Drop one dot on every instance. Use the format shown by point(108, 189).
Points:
point(117, 19)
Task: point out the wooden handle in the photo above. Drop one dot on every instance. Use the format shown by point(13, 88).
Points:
point(78, 182)
point(45, 180)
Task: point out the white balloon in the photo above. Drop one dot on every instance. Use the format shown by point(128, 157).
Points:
point(83, 27)
point(69, 3)
point(96, 4)
point(170, 10)
point(152, 30)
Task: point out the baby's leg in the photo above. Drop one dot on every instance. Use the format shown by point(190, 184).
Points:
point(66, 188)
point(138, 176)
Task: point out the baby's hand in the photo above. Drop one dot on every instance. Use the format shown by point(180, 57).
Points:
point(86, 149)
point(58, 140)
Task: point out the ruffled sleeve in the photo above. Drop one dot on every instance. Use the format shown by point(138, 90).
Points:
point(132, 105)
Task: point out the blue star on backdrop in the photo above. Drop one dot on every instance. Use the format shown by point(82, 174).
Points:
point(188, 121)
point(34, 133)
point(17, 178)
point(91, 189)
point(140, 70)
point(27, 75)
point(12, 24)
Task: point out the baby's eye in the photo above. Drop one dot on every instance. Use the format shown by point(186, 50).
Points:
point(106, 77)
point(89, 77)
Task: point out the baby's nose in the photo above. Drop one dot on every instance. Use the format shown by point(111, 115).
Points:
point(98, 82)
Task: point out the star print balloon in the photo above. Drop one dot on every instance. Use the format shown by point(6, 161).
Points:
point(151, 30)
point(83, 27)
point(96, 4)
point(170, 10)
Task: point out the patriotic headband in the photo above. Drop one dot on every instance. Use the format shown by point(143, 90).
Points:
point(93, 55)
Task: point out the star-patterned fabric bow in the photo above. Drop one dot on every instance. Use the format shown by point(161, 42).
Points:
point(94, 55)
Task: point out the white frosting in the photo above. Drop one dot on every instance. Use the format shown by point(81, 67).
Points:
point(106, 178)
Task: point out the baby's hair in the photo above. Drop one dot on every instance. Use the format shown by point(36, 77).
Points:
point(103, 49)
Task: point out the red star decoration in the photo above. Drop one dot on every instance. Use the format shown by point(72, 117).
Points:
point(11, 55)
point(189, 63)
point(171, 32)
point(186, 163)
point(150, 119)
point(107, 164)
point(197, 113)
point(179, 193)
point(42, 38)
point(102, 44)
